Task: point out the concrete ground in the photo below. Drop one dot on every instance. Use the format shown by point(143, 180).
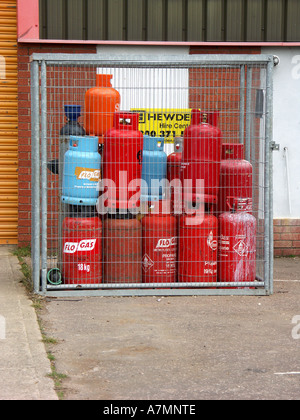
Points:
point(24, 366)
point(206, 347)
point(157, 348)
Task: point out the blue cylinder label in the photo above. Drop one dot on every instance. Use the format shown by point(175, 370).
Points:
point(88, 174)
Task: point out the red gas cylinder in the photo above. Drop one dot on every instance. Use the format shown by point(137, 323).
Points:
point(101, 102)
point(82, 250)
point(159, 244)
point(237, 243)
point(173, 173)
point(201, 157)
point(197, 248)
point(235, 176)
point(122, 161)
point(122, 244)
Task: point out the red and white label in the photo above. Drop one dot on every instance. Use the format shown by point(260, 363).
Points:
point(83, 245)
point(147, 263)
point(241, 249)
point(83, 267)
point(166, 242)
point(210, 267)
point(211, 242)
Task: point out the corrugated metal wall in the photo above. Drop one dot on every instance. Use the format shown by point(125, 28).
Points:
point(8, 123)
point(171, 20)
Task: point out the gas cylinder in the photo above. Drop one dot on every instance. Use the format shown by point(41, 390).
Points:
point(154, 169)
point(122, 161)
point(159, 244)
point(122, 243)
point(101, 102)
point(235, 176)
point(81, 171)
point(82, 250)
point(71, 128)
point(201, 157)
point(232, 151)
point(237, 243)
point(173, 173)
point(197, 248)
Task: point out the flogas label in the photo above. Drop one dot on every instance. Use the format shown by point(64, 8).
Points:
point(92, 175)
point(165, 243)
point(83, 245)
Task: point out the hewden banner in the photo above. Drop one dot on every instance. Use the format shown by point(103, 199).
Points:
point(167, 123)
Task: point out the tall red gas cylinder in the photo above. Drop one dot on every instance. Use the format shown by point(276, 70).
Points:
point(122, 160)
point(197, 248)
point(122, 245)
point(201, 157)
point(82, 250)
point(159, 244)
point(101, 102)
point(237, 243)
point(235, 176)
point(173, 173)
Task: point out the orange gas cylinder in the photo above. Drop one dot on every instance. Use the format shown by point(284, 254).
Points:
point(101, 102)
point(122, 244)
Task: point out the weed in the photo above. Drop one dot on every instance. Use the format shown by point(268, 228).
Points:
point(22, 252)
point(57, 378)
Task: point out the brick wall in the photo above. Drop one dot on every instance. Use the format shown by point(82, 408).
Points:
point(286, 237)
point(286, 231)
point(219, 89)
point(24, 123)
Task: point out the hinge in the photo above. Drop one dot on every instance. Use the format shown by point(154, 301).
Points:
point(274, 146)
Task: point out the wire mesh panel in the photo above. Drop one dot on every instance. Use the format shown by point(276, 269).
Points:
point(152, 176)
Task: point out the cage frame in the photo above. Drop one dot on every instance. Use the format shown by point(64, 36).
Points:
point(38, 70)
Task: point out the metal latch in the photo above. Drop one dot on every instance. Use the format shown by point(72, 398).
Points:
point(274, 146)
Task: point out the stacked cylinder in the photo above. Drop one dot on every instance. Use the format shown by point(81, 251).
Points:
point(237, 247)
point(82, 249)
point(184, 218)
point(82, 229)
point(218, 242)
point(122, 246)
point(159, 244)
point(198, 229)
point(237, 225)
point(122, 166)
point(173, 175)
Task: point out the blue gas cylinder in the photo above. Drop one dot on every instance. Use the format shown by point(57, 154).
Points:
point(154, 169)
point(81, 174)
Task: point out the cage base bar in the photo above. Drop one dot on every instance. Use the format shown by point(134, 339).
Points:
point(157, 292)
point(155, 285)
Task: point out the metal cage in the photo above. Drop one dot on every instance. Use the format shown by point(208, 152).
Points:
point(163, 90)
